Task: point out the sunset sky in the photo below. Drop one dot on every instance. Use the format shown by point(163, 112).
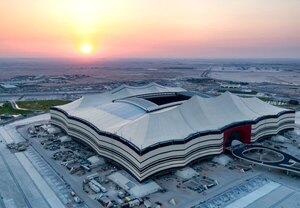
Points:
point(150, 28)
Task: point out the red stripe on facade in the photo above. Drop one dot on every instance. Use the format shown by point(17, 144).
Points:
point(244, 131)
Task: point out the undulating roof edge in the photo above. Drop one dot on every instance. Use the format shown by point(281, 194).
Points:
point(146, 149)
point(180, 123)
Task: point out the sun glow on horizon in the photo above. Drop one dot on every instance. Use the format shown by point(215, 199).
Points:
point(88, 20)
point(156, 29)
point(86, 48)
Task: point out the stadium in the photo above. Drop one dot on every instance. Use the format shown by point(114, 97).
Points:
point(153, 128)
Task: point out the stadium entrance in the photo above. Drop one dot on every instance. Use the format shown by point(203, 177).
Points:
point(231, 140)
point(238, 133)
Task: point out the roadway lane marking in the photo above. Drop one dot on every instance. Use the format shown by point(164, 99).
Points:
point(253, 196)
point(48, 193)
point(7, 138)
point(282, 200)
point(10, 202)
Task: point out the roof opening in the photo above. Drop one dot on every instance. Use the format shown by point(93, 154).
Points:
point(162, 100)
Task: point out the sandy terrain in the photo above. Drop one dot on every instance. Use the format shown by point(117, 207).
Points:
point(292, 78)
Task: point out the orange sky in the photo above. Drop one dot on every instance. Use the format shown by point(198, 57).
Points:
point(156, 28)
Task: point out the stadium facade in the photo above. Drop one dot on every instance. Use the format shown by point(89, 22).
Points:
point(153, 128)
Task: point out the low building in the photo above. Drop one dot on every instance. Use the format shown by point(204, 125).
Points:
point(8, 86)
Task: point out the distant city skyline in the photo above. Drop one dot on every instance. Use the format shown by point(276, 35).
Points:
point(150, 29)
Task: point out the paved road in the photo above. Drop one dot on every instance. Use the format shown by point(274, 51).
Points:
point(16, 186)
point(15, 181)
point(284, 164)
point(206, 73)
point(15, 105)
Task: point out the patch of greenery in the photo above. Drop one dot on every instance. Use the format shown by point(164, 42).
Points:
point(8, 109)
point(43, 105)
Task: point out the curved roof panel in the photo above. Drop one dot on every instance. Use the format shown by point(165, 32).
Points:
point(124, 91)
point(139, 102)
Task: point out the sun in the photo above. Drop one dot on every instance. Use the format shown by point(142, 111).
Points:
point(86, 48)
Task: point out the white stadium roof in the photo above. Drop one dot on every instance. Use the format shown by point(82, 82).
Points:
point(124, 91)
point(130, 118)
